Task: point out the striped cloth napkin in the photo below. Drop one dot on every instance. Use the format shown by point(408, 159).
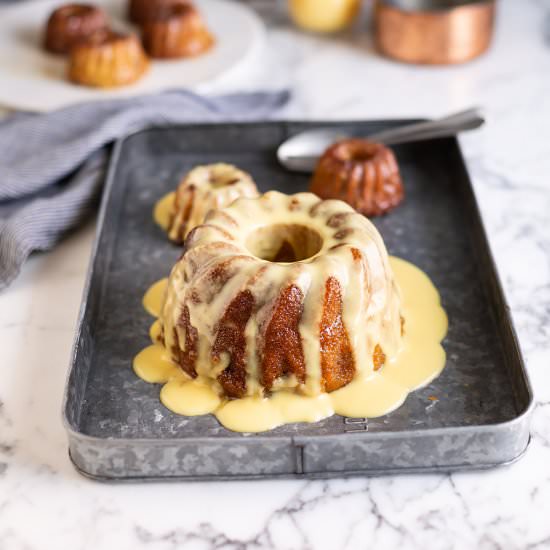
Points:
point(52, 165)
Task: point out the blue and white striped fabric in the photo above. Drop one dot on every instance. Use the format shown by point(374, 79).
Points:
point(52, 165)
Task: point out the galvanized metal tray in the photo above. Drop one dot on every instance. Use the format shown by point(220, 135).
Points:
point(117, 427)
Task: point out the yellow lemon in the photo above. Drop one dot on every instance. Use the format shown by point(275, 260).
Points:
point(323, 15)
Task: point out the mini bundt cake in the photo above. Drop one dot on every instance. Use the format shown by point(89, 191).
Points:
point(71, 24)
point(282, 292)
point(108, 59)
point(176, 30)
point(143, 10)
point(203, 189)
point(362, 173)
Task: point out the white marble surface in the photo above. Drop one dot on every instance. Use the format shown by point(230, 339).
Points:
point(45, 504)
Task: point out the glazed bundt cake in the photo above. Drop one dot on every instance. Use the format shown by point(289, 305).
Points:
point(108, 59)
point(281, 292)
point(71, 24)
point(176, 30)
point(362, 173)
point(203, 189)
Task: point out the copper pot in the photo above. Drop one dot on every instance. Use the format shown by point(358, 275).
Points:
point(433, 31)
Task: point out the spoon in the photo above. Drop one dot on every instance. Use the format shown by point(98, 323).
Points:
point(301, 152)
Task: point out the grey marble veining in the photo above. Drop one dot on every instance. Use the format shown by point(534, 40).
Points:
point(45, 504)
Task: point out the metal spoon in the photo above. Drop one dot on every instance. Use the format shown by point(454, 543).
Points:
point(301, 152)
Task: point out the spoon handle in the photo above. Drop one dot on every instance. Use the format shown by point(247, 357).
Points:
point(443, 127)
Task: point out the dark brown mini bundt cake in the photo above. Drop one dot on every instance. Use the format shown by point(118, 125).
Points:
point(71, 24)
point(177, 30)
point(362, 173)
point(143, 10)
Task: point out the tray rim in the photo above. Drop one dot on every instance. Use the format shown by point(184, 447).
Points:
point(329, 474)
point(74, 434)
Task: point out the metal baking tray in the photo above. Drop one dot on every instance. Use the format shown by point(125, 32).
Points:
point(117, 427)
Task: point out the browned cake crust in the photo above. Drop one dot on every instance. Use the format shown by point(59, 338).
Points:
point(231, 339)
point(143, 10)
point(282, 353)
point(177, 30)
point(337, 362)
point(187, 358)
point(107, 59)
point(71, 24)
point(362, 173)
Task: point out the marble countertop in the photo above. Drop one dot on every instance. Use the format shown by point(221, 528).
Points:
point(45, 504)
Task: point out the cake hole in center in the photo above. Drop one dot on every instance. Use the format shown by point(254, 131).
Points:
point(75, 10)
point(361, 156)
point(284, 243)
point(359, 151)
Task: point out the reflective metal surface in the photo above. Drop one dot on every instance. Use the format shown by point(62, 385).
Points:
point(433, 31)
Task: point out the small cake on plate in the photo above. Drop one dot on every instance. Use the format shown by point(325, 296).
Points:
point(71, 24)
point(108, 59)
point(176, 30)
point(142, 10)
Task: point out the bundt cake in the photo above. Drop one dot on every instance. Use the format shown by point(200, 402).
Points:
point(203, 189)
point(71, 24)
point(142, 10)
point(175, 30)
point(281, 292)
point(362, 173)
point(107, 59)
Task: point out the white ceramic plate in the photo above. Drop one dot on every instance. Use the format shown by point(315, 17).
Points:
point(33, 79)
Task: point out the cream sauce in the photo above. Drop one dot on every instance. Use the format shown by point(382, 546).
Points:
point(154, 332)
point(164, 210)
point(154, 297)
point(420, 359)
